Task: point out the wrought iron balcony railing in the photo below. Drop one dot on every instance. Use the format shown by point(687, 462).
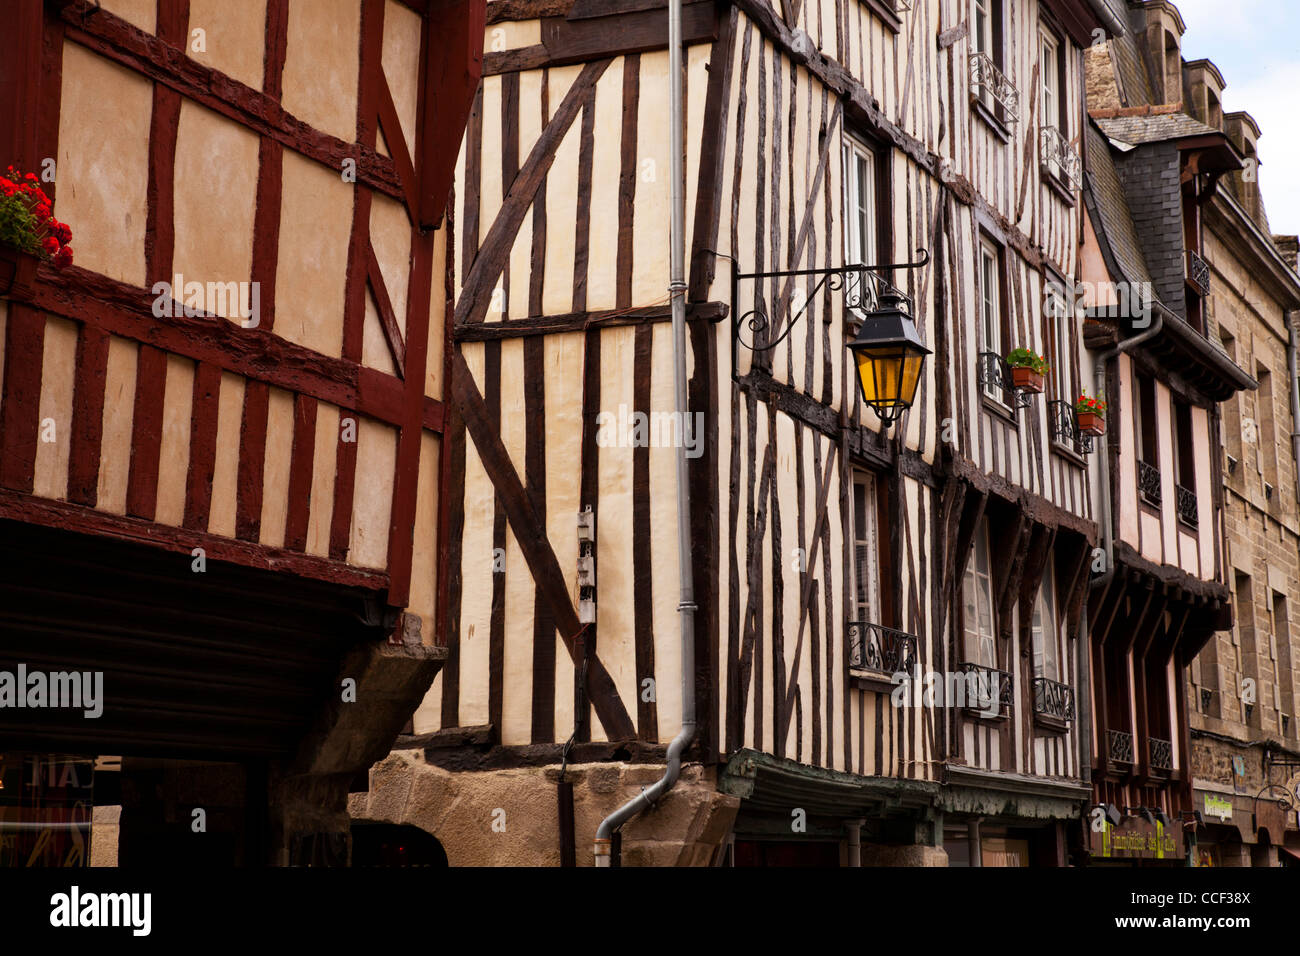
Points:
point(1064, 427)
point(988, 678)
point(1119, 746)
point(1059, 158)
point(986, 80)
point(1187, 511)
point(994, 376)
point(1149, 483)
point(1053, 699)
point(1198, 273)
point(1161, 753)
point(878, 648)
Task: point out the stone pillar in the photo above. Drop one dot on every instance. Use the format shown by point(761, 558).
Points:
point(853, 833)
point(377, 690)
point(973, 835)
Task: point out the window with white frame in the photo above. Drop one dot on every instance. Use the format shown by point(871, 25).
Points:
point(1044, 630)
point(983, 41)
point(866, 550)
point(861, 223)
point(1060, 320)
point(980, 647)
point(991, 310)
point(1049, 104)
point(859, 202)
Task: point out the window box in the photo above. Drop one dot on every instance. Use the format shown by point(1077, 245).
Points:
point(17, 273)
point(1026, 379)
point(1090, 423)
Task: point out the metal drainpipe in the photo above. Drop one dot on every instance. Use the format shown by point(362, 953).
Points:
point(1107, 16)
point(686, 603)
point(1293, 318)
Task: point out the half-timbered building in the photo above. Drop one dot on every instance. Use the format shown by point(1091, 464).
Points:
point(1154, 173)
point(221, 428)
point(853, 581)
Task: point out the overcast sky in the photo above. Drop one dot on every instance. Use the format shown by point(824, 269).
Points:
point(1256, 46)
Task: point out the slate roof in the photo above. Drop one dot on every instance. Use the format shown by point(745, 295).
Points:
point(1158, 128)
point(1115, 229)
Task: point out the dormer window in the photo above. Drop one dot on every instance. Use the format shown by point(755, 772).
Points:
point(1173, 70)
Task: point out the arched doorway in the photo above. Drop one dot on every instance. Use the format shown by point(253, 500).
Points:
point(395, 844)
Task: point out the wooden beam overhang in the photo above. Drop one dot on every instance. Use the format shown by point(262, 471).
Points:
point(773, 784)
point(1035, 507)
point(1078, 19)
point(235, 662)
point(1178, 355)
point(596, 31)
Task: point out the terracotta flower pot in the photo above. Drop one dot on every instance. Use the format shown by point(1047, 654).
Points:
point(17, 273)
point(1090, 423)
point(1026, 379)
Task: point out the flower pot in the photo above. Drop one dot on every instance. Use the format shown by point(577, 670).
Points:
point(1026, 379)
point(17, 273)
point(1090, 423)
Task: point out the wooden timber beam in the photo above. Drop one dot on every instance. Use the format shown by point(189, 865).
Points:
point(805, 594)
point(70, 517)
point(1041, 540)
point(1073, 582)
point(481, 278)
point(568, 40)
point(127, 311)
point(530, 534)
point(108, 35)
point(384, 306)
point(713, 154)
point(1008, 542)
point(453, 65)
point(583, 321)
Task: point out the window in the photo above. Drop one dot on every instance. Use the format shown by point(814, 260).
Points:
point(862, 168)
point(1059, 319)
point(1282, 655)
point(1044, 631)
point(984, 28)
point(866, 553)
point(987, 39)
point(977, 604)
point(1266, 447)
point(1147, 426)
point(1185, 451)
point(859, 203)
point(1050, 76)
point(991, 310)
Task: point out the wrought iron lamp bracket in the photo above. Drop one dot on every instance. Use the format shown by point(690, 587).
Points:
point(862, 285)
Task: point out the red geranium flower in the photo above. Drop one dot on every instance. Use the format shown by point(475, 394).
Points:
point(63, 258)
point(50, 245)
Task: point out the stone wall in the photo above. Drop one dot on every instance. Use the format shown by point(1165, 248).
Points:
point(510, 817)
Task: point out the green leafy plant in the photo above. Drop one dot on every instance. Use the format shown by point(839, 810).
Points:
point(1085, 404)
point(27, 220)
point(1025, 358)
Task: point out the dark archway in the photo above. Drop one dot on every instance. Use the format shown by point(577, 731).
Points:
point(395, 844)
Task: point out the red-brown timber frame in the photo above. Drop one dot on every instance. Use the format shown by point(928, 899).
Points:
point(30, 95)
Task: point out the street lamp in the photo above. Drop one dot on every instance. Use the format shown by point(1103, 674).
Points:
point(889, 356)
